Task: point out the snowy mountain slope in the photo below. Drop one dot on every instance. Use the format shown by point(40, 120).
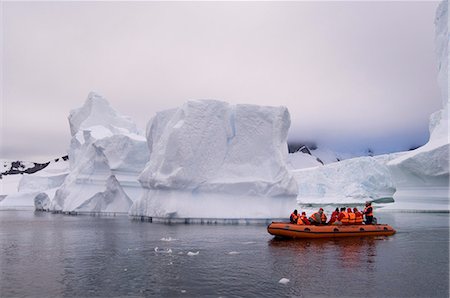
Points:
point(22, 181)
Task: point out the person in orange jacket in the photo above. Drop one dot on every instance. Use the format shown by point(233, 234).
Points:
point(368, 212)
point(318, 218)
point(342, 217)
point(305, 218)
point(334, 216)
point(358, 216)
point(351, 216)
point(294, 216)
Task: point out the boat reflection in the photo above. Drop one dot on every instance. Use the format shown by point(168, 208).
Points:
point(344, 252)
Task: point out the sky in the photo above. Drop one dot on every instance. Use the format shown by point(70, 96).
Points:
point(354, 75)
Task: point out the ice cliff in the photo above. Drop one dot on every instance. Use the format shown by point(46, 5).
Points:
point(351, 181)
point(210, 159)
point(106, 155)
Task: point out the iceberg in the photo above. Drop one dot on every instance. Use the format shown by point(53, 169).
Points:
point(208, 157)
point(352, 181)
point(424, 172)
point(107, 153)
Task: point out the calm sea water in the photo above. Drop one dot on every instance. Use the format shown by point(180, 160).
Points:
point(48, 255)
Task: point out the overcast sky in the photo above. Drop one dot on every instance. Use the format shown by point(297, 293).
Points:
point(361, 74)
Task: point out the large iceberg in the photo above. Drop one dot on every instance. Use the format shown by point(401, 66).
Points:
point(351, 181)
point(106, 155)
point(210, 159)
point(424, 172)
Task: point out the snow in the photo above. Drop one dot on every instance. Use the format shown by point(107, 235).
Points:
point(97, 112)
point(209, 155)
point(20, 190)
point(107, 154)
point(350, 181)
point(300, 160)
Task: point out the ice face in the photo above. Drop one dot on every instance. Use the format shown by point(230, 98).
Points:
point(208, 149)
point(354, 180)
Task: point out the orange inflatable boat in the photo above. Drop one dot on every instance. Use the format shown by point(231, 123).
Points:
point(288, 230)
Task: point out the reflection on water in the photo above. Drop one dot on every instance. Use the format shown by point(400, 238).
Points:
point(45, 255)
point(348, 252)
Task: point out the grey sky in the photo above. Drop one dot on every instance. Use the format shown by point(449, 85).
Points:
point(359, 73)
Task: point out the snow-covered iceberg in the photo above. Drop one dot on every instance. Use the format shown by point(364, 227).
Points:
point(351, 181)
point(106, 155)
point(210, 159)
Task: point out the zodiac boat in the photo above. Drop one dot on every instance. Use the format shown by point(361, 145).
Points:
point(288, 230)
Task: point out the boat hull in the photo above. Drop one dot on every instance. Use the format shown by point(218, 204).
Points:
point(288, 230)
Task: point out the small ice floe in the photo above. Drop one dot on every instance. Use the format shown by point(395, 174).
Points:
point(233, 253)
point(249, 242)
point(125, 269)
point(163, 251)
point(190, 253)
point(183, 291)
point(181, 253)
point(168, 239)
point(283, 281)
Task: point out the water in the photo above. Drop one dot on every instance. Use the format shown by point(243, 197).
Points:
point(48, 255)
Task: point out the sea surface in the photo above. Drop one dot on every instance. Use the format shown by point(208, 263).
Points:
point(54, 255)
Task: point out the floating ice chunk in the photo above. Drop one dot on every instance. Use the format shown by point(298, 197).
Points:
point(168, 239)
point(234, 253)
point(183, 291)
point(164, 251)
point(283, 281)
point(193, 253)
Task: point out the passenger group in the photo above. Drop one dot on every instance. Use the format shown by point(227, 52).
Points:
point(338, 217)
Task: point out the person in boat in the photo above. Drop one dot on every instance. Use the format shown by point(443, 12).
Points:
point(305, 218)
point(342, 217)
point(334, 216)
point(318, 218)
point(368, 213)
point(294, 217)
point(351, 216)
point(358, 216)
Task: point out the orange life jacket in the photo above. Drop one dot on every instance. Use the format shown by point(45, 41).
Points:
point(323, 217)
point(371, 212)
point(358, 218)
point(344, 219)
point(300, 221)
point(351, 218)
